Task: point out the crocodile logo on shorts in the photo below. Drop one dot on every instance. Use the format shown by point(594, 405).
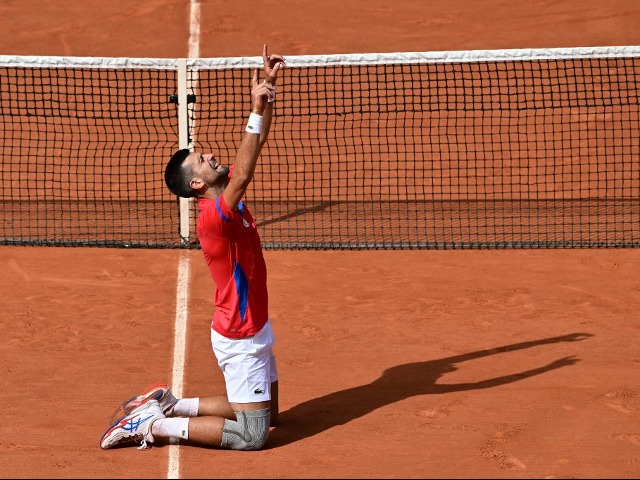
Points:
point(258, 391)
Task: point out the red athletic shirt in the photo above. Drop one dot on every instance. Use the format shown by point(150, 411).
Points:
point(232, 249)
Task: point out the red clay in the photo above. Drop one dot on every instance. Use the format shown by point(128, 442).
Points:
point(394, 364)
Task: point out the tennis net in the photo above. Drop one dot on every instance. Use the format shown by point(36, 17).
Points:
point(464, 149)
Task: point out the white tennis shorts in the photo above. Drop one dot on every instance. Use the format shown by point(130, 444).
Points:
point(248, 365)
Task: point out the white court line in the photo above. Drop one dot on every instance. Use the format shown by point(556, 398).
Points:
point(182, 284)
point(182, 302)
point(194, 29)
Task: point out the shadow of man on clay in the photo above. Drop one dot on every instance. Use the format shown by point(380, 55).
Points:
point(397, 383)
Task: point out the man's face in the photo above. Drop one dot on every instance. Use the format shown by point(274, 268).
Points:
point(206, 168)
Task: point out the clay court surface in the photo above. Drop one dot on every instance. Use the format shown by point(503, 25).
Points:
point(393, 364)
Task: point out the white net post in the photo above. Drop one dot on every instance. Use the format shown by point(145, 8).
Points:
point(183, 142)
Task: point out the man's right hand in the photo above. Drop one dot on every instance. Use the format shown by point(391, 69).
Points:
point(272, 64)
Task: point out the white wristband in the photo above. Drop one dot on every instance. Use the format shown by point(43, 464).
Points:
point(254, 125)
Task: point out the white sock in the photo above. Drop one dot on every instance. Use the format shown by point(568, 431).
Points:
point(185, 407)
point(177, 427)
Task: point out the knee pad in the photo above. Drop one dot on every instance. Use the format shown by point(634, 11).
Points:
point(250, 432)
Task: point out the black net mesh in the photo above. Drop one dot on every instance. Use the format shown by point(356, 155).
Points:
point(451, 155)
point(83, 152)
point(487, 154)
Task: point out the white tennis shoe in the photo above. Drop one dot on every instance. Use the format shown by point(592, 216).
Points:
point(156, 391)
point(134, 427)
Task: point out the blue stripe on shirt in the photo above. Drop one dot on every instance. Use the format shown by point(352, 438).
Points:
point(225, 218)
point(242, 287)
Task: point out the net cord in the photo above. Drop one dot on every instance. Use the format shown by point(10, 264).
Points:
point(302, 61)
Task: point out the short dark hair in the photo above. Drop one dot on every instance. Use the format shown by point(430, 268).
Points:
point(177, 177)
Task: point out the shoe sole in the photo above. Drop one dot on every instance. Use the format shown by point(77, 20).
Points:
point(153, 392)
